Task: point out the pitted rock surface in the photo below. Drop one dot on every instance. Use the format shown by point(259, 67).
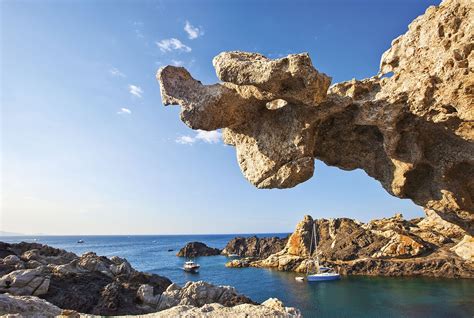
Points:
point(413, 131)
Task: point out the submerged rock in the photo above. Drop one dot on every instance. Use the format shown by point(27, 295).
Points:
point(413, 131)
point(196, 249)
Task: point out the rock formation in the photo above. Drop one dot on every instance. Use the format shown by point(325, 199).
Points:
point(410, 126)
point(40, 281)
point(195, 249)
point(390, 247)
point(195, 294)
point(89, 283)
point(31, 306)
point(254, 246)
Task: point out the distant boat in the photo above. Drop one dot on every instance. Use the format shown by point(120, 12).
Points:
point(321, 273)
point(233, 255)
point(80, 241)
point(170, 250)
point(191, 267)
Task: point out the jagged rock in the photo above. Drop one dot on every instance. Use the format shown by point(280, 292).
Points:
point(201, 293)
point(26, 282)
point(27, 306)
point(195, 249)
point(413, 131)
point(390, 246)
point(270, 308)
point(90, 284)
point(12, 260)
point(241, 262)
point(31, 306)
point(254, 246)
point(402, 246)
point(465, 248)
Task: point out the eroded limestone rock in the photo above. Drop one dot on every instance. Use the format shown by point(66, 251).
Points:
point(413, 131)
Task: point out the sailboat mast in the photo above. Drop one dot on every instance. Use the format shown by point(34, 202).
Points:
point(316, 247)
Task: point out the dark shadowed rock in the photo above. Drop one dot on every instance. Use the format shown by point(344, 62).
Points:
point(195, 249)
point(254, 246)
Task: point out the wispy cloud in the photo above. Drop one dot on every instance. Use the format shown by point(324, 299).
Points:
point(185, 140)
point(192, 31)
point(138, 29)
point(135, 90)
point(177, 62)
point(124, 111)
point(210, 137)
point(116, 72)
point(168, 45)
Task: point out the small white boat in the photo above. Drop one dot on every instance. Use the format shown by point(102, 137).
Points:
point(321, 273)
point(299, 278)
point(80, 241)
point(321, 277)
point(233, 255)
point(191, 267)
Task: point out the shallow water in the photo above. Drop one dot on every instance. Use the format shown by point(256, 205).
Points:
point(349, 297)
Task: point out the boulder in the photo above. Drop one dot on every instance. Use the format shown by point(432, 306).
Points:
point(200, 293)
point(26, 282)
point(196, 249)
point(27, 306)
point(465, 248)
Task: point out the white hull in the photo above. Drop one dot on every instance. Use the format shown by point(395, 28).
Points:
point(323, 277)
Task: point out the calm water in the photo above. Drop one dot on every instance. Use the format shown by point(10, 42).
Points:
point(350, 297)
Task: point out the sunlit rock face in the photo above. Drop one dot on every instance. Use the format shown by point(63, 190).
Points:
point(413, 131)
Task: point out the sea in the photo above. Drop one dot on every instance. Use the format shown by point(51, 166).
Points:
point(353, 296)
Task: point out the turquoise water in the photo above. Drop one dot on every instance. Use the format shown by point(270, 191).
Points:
point(349, 297)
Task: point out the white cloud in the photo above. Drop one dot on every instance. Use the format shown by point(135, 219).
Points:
point(210, 137)
point(124, 111)
point(116, 72)
point(185, 140)
point(135, 90)
point(192, 31)
point(177, 62)
point(168, 45)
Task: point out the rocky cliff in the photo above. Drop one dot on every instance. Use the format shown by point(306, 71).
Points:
point(389, 247)
point(41, 281)
point(410, 126)
point(253, 246)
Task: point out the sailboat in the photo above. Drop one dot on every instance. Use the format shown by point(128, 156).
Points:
point(321, 273)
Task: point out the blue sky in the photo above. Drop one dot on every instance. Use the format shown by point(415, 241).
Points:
point(88, 148)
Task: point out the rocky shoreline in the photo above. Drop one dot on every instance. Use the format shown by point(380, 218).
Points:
point(386, 247)
point(39, 280)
